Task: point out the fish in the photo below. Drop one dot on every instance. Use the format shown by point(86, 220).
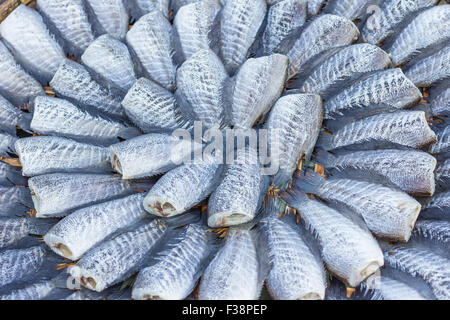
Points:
point(235, 272)
point(193, 23)
point(200, 81)
point(282, 18)
point(431, 69)
point(34, 291)
point(443, 173)
point(385, 90)
point(389, 15)
point(17, 85)
point(427, 29)
point(110, 63)
point(438, 207)
point(14, 201)
point(182, 188)
point(68, 20)
point(93, 224)
point(343, 67)
point(177, 267)
point(257, 86)
point(11, 117)
point(388, 213)
point(153, 108)
point(150, 154)
point(435, 234)
point(442, 145)
point(424, 264)
point(14, 229)
point(176, 5)
point(440, 103)
point(7, 142)
point(238, 197)
point(139, 8)
point(150, 41)
point(350, 9)
point(108, 16)
point(117, 259)
point(74, 83)
point(347, 247)
point(239, 24)
point(10, 175)
point(401, 129)
point(293, 127)
point(314, 7)
point(387, 288)
point(42, 155)
point(31, 43)
point(409, 170)
point(323, 33)
point(55, 116)
point(59, 194)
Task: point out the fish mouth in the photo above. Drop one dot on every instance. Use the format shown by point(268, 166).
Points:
point(161, 207)
point(228, 218)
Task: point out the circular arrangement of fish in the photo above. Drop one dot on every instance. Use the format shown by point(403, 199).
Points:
point(99, 200)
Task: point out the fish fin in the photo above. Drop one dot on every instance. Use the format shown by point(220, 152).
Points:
point(325, 158)
point(308, 182)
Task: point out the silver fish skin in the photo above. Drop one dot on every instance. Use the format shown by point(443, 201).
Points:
point(430, 70)
point(234, 273)
point(385, 90)
point(240, 22)
point(349, 250)
point(35, 291)
point(110, 62)
point(440, 105)
point(238, 197)
point(26, 35)
point(15, 83)
point(150, 40)
point(42, 155)
point(14, 229)
point(388, 213)
point(11, 117)
point(438, 207)
point(7, 142)
point(178, 4)
point(429, 28)
point(18, 264)
point(150, 154)
point(258, 84)
point(434, 231)
point(324, 33)
point(314, 7)
point(200, 81)
point(177, 268)
point(116, 259)
point(442, 146)
point(54, 116)
point(182, 188)
point(139, 8)
point(282, 18)
point(73, 82)
point(293, 126)
point(401, 129)
point(93, 224)
point(386, 288)
point(425, 264)
point(109, 16)
point(10, 175)
point(345, 65)
point(193, 23)
point(443, 172)
point(389, 15)
point(152, 108)
point(68, 20)
point(58, 194)
point(295, 273)
point(350, 9)
point(409, 170)
point(14, 200)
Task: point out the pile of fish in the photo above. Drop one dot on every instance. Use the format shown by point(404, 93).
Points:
point(96, 205)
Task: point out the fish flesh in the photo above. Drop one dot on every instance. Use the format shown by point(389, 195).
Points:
point(239, 25)
point(385, 90)
point(7, 142)
point(11, 117)
point(110, 62)
point(58, 194)
point(14, 229)
point(14, 201)
point(200, 81)
point(54, 116)
point(430, 27)
point(401, 129)
point(73, 82)
point(293, 127)
point(257, 85)
point(31, 43)
point(43, 155)
point(153, 108)
point(109, 16)
point(409, 170)
point(150, 40)
point(10, 175)
point(15, 83)
point(93, 224)
point(346, 65)
point(151, 154)
point(349, 250)
point(388, 213)
point(68, 20)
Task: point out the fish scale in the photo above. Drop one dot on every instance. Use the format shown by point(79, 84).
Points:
point(12, 230)
point(10, 117)
point(434, 230)
point(386, 288)
point(350, 9)
point(139, 8)
point(314, 6)
point(438, 207)
point(35, 291)
point(14, 200)
point(443, 171)
point(440, 104)
point(442, 146)
point(110, 16)
point(7, 142)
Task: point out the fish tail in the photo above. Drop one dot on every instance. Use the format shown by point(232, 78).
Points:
point(294, 198)
point(309, 182)
point(325, 158)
